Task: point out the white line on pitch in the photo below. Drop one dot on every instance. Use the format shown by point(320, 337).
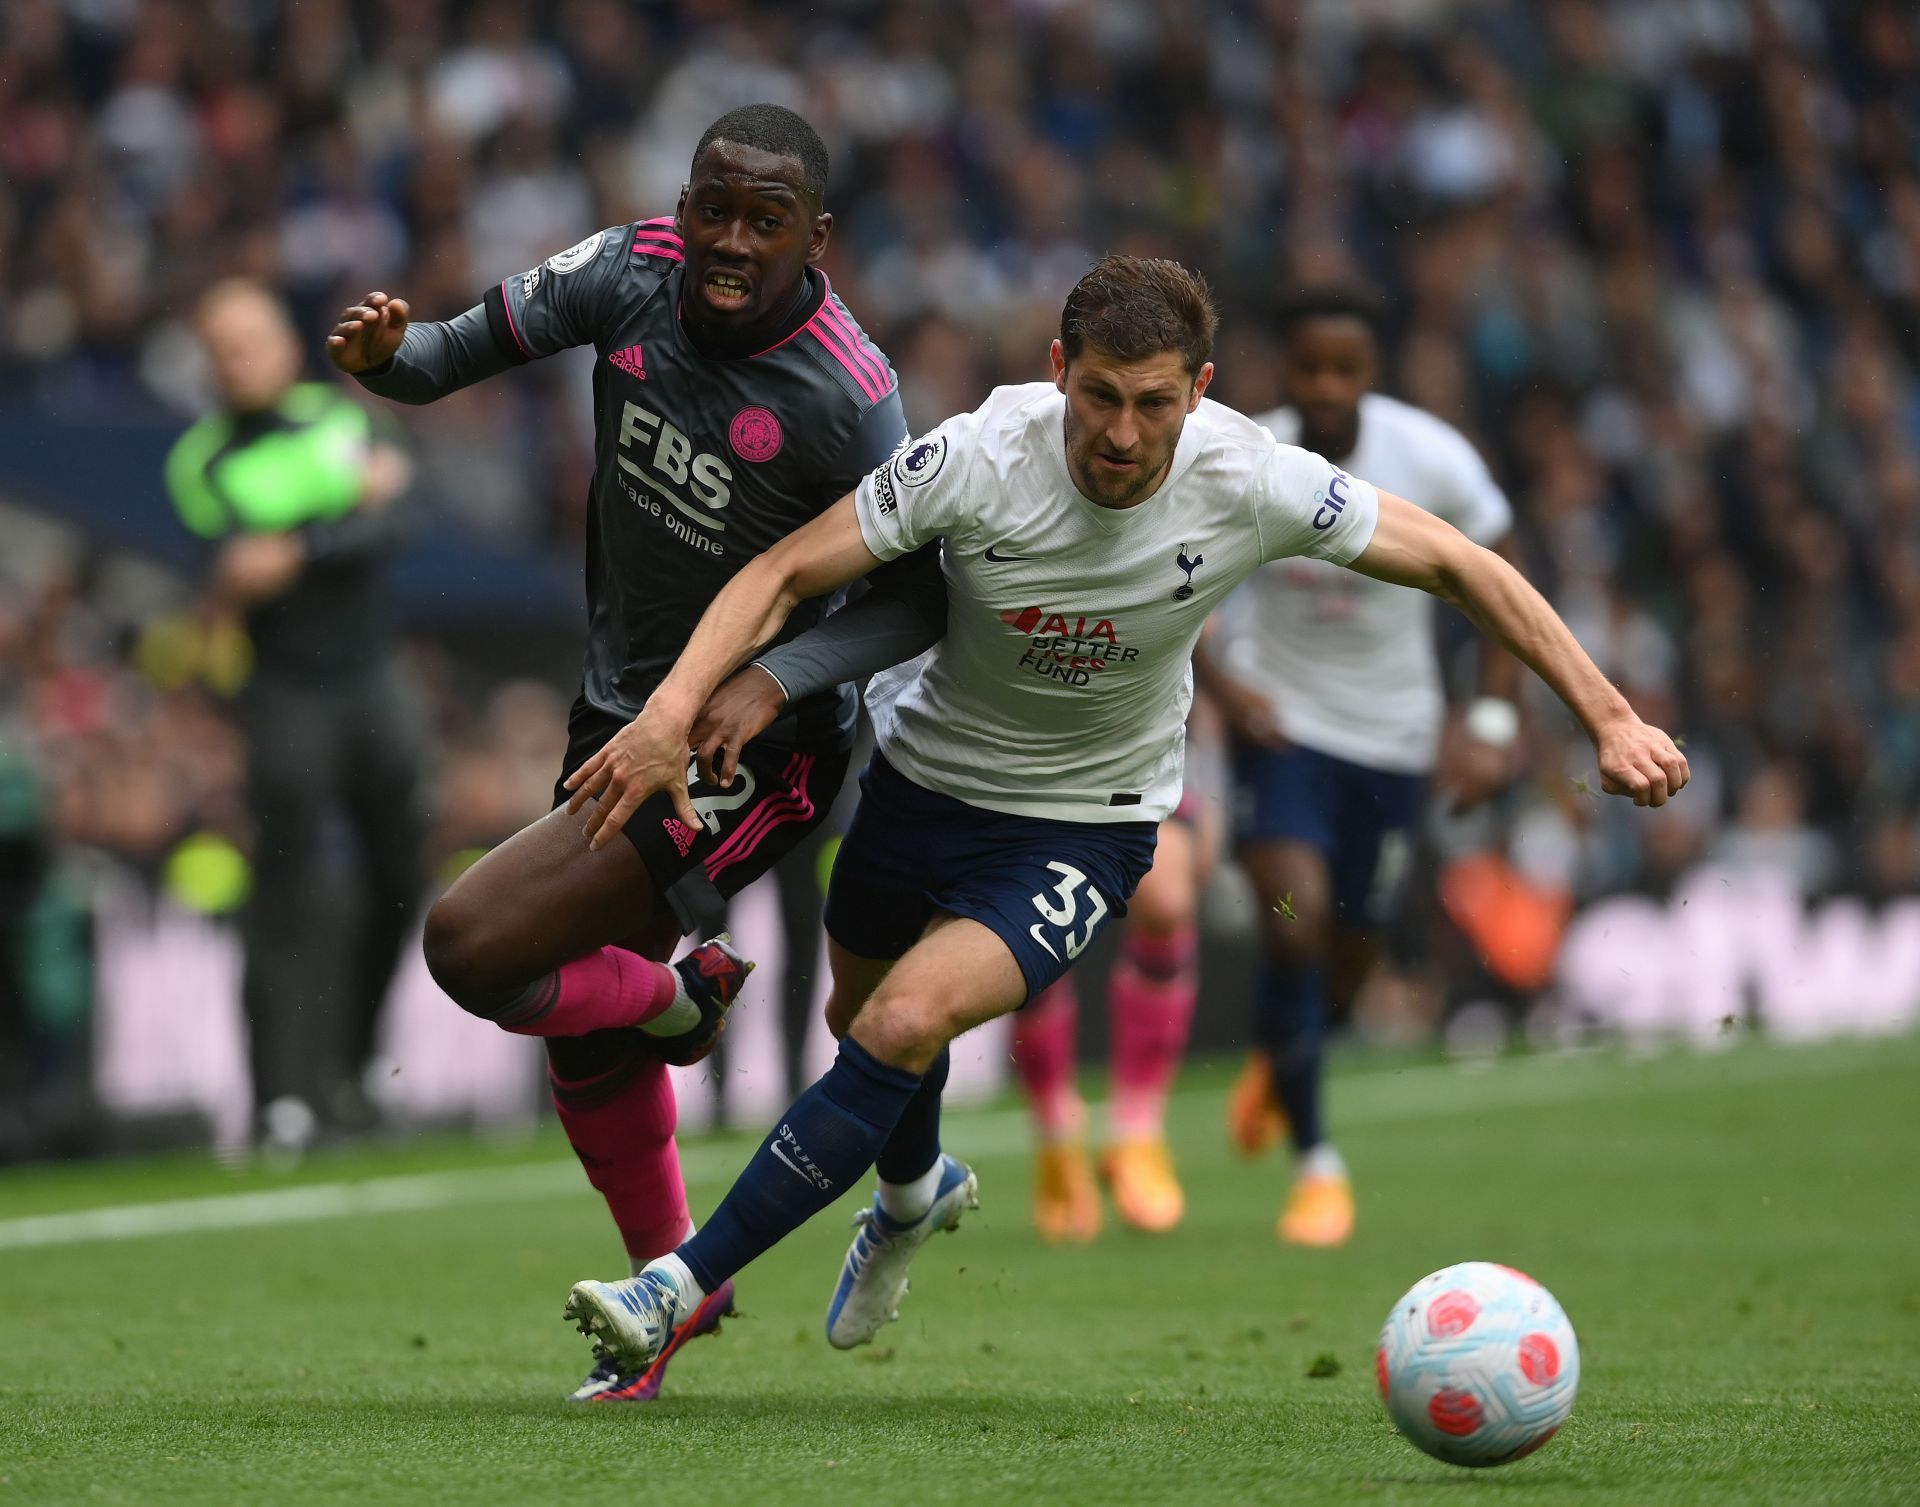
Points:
point(1378, 1097)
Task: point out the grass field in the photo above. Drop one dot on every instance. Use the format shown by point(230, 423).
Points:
point(1737, 1240)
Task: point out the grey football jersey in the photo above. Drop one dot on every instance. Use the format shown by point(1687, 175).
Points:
point(700, 464)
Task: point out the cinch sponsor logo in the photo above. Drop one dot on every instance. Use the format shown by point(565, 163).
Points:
point(1069, 651)
point(659, 457)
point(1333, 501)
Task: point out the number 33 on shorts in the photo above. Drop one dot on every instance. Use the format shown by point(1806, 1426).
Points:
point(1061, 907)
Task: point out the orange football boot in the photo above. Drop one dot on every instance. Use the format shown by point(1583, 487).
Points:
point(1146, 1193)
point(1066, 1203)
point(1255, 1121)
point(1319, 1212)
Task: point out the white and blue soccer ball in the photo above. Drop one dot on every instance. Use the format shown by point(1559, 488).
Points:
point(1478, 1364)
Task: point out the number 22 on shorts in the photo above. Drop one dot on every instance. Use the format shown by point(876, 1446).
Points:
point(1063, 913)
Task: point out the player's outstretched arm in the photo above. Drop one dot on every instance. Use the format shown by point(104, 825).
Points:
point(1411, 547)
point(649, 754)
point(390, 354)
point(900, 615)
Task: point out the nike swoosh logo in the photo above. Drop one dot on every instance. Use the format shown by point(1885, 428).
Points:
point(1034, 932)
point(993, 559)
point(774, 1147)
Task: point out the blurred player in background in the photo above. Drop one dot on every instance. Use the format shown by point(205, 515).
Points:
point(1151, 990)
point(1331, 685)
point(289, 485)
point(735, 398)
point(1025, 762)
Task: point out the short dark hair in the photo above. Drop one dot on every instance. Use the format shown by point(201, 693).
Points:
point(1330, 301)
point(1132, 307)
point(778, 130)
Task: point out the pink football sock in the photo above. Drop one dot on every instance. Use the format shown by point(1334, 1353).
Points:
point(1043, 1051)
point(621, 1122)
point(611, 987)
point(1150, 994)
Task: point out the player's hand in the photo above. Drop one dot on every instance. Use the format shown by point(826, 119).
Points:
point(368, 333)
point(1471, 773)
point(1251, 717)
point(643, 758)
point(256, 568)
point(735, 714)
point(1639, 761)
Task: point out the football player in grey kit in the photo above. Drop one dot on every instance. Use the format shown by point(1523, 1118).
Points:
point(735, 399)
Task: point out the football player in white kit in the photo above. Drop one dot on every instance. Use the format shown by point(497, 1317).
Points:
point(1331, 684)
point(1023, 763)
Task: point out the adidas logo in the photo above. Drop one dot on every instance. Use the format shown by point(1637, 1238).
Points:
point(678, 830)
point(633, 363)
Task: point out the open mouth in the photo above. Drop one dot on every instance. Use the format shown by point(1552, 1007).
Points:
point(726, 291)
point(1115, 462)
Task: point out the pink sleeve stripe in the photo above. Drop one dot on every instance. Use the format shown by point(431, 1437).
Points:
point(858, 342)
point(835, 342)
point(666, 220)
point(506, 302)
point(666, 236)
point(666, 251)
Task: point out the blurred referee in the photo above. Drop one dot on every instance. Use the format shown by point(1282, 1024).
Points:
point(288, 485)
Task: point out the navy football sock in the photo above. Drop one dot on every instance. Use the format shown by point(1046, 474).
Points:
point(1291, 1003)
point(822, 1145)
point(914, 1145)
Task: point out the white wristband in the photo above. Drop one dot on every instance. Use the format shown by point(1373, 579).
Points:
point(1493, 722)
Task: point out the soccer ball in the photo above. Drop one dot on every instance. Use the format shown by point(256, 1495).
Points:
point(1478, 1364)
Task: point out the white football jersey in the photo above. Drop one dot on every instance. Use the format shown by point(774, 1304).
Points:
point(1349, 662)
point(1061, 686)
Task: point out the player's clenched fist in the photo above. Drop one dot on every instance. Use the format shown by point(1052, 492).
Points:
point(368, 333)
point(1640, 761)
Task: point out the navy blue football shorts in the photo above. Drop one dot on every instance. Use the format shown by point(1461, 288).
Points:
point(1045, 888)
point(1353, 814)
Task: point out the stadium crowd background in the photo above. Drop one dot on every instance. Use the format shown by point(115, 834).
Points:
point(1659, 258)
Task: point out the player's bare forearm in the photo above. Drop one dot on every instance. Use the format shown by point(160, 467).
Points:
point(1411, 547)
point(748, 611)
point(754, 606)
point(1499, 669)
point(649, 754)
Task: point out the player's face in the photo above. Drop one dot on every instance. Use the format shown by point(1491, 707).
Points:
point(1328, 366)
point(1124, 419)
point(751, 231)
point(253, 350)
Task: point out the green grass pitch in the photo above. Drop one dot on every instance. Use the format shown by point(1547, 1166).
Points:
point(1736, 1238)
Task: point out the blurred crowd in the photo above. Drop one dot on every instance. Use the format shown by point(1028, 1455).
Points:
point(1659, 258)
